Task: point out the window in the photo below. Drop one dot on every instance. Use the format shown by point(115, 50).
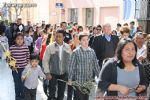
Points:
point(73, 15)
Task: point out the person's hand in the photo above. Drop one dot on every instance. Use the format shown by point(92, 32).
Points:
point(140, 88)
point(69, 82)
point(141, 58)
point(123, 90)
point(48, 76)
point(23, 78)
point(14, 68)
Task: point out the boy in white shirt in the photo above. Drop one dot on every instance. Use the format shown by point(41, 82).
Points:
point(30, 77)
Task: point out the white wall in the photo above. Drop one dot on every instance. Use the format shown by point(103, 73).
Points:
point(42, 11)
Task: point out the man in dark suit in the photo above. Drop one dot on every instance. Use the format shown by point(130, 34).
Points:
point(105, 44)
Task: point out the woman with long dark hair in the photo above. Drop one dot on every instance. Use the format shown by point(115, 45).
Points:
point(123, 75)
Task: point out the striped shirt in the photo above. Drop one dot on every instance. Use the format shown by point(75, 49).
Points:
point(21, 54)
point(82, 64)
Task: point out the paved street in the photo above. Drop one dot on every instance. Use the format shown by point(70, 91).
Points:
point(42, 96)
point(40, 92)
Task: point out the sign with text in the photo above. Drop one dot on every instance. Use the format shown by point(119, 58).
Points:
point(59, 5)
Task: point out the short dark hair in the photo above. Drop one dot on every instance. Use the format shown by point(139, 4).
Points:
point(19, 34)
point(119, 49)
point(75, 24)
point(99, 26)
point(118, 24)
point(125, 24)
point(132, 22)
point(29, 29)
point(94, 28)
point(80, 27)
point(61, 31)
point(47, 26)
point(34, 56)
point(2, 29)
point(81, 35)
point(62, 23)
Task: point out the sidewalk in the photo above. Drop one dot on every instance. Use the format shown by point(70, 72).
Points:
point(41, 95)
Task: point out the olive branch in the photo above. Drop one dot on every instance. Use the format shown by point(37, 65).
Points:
point(84, 88)
point(11, 61)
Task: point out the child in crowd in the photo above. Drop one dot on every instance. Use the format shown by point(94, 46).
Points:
point(28, 41)
point(41, 40)
point(30, 77)
point(83, 65)
point(20, 52)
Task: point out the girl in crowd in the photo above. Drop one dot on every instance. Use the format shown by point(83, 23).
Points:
point(21, 53)
point(126, 75)
point(41, 40)
point(47, 29)
point(75, 42)
point(28, 39)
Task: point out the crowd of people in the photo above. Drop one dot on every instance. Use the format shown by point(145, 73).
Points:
point(69, 53)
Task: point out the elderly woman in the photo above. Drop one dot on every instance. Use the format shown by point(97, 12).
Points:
point(139, 39)
point(124, 75)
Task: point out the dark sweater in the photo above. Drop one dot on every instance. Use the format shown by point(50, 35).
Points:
point(100, 44)
point(108, 76)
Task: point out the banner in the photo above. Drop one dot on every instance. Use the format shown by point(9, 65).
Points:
point(129, 10)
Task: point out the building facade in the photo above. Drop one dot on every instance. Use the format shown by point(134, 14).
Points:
point(142, 14)
point(88, 12)
point(84, 12)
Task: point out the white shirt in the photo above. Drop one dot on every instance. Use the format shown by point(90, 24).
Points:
point(141, 52)
point(28, 40)
point(60, 51)
point(32, 74)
